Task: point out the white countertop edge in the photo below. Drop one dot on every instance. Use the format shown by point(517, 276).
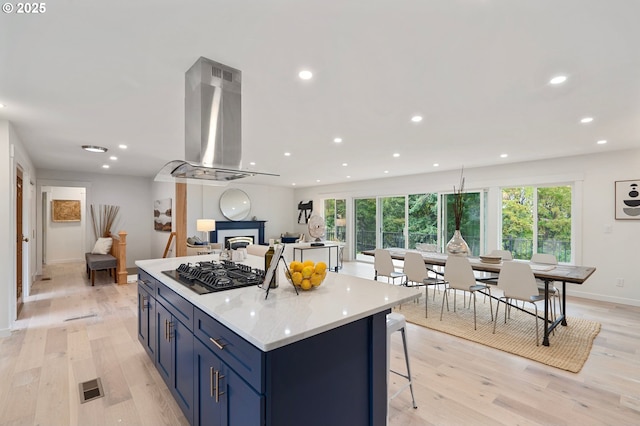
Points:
point(154, 267)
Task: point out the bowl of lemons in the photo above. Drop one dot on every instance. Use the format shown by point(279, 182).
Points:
point(306, 275)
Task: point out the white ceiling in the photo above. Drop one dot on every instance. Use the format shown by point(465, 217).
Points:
point(111, 72)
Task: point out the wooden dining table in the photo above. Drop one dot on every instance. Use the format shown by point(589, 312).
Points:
point(563, 273)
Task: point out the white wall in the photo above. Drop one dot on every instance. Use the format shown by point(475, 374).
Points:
point(13, 156)
point(614, 254)
point(65, 240)
point(131, 193)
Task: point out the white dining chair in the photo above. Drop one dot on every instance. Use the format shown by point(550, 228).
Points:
point(459, 276)
point(548, 259)
point(517, 282)
point(384, 267)
point(418, 275)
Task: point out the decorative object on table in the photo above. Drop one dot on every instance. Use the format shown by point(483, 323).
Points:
point(304, 211)
point(306, 275)
point(206, 226)
point(65, 211)
point(316, 229)
point(627, 200)
point(103, 219)
point(457, 245)
point(162, 215)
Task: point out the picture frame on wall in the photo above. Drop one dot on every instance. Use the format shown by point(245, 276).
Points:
point(627, 199)
point(65, 211)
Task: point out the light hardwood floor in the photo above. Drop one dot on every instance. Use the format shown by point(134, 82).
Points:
point(69, 332)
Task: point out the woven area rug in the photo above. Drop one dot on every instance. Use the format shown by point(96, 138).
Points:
point(569, 346)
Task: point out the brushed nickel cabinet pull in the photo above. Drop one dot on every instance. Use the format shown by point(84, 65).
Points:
point(211, 381)
point(169, 325)
point(144, 302)
point(218, 393)
point(218, 344)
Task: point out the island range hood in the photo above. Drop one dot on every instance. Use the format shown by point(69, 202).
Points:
point(213, 131)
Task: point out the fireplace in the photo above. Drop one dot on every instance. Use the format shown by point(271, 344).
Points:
point(240, 228)
point(237, 242)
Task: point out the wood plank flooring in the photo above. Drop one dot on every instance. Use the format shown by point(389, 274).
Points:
point(70, 332)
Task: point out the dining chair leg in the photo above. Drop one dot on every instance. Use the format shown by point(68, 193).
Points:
point(444, 297)
point(475, 326)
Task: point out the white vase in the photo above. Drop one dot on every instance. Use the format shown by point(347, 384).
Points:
point(457, 245)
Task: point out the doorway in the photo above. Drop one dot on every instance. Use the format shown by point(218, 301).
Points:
point(20, 240)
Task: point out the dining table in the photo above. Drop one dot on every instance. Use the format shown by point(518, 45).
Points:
point(547, 273)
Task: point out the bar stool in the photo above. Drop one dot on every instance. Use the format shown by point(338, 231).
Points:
point(397, 322)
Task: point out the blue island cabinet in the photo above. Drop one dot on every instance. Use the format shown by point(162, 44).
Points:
point(337, 377)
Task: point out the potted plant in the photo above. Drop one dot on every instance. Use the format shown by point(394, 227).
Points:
point(457, 245)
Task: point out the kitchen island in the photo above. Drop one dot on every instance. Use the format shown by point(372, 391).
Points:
point(232, 357)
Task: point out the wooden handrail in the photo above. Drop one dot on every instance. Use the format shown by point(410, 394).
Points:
point(166, 249)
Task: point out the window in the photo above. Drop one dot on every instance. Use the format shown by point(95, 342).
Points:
point(335, 219)
point(365, 224)
point(537, 220)
point(423, 219)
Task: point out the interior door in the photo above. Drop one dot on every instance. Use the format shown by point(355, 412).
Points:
point(19, 240)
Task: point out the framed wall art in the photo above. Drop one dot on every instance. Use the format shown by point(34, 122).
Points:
point(628, 199)
point(162, 215)
point(65, 211)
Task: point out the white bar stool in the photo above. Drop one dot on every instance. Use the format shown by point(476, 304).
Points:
point(397, 322)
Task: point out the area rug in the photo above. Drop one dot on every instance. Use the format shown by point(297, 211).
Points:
point(569, 346)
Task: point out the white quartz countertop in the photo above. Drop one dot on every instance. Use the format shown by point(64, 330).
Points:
point(284, 317)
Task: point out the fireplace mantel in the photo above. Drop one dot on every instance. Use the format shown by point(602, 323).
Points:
point(239, 225)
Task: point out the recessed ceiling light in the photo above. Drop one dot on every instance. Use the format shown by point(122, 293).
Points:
point(337, 140)
point(105, 166)
point(396, 155)
point(504, 155)
point(287, 154)
point(305, 74)
point(122, 146)
point(586, 120)
point(94, 148)
point(559, 79)
point(348, 177)
point(386, 171)
point(2, 105)
point(344, 164)
point(416, 118)
point(601, 142)
point(317, 180)
point(253, 163)
point(436, 165)
point(113, 158)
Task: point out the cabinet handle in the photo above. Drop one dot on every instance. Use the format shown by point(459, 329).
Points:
point(218, 344)
point(169, 325)
point(211, 381)
point(218, 393)
point(144, 302)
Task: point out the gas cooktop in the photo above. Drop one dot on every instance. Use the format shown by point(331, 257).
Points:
point(208, 277)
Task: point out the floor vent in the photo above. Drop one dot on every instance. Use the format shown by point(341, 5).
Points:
point(81, 317)
point(45, 279)
point(91, 390)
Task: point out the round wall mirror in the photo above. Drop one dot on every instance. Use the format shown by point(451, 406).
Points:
point(235, 204)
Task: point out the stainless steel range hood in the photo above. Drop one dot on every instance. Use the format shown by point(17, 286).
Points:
point(213, 127)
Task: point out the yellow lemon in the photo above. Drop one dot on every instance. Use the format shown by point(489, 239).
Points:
point(307, 271)
point(305, 284)
point(296, 277)
point(316, 279)
point(308, 263)
point(296, 266)
point(320, 267)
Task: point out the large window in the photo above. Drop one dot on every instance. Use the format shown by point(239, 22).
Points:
point(393, 221)
point(423, 219)
point(365, 226)
point(537, 220)
point(335, 218)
